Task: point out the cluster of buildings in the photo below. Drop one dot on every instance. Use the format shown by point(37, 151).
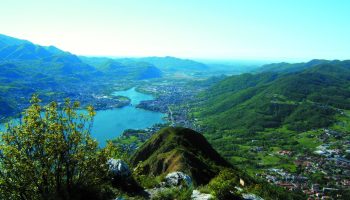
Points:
point(322, 174)
point(170, 99)
point(141, 136)
point(173, 100)
point(302, 182)
point(166, 95)
point(103, 102)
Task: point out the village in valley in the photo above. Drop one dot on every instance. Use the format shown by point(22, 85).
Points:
point(321, 174)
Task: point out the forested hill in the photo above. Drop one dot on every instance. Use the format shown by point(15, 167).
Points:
point(280, 117)
point(294, 67)
point(307, 97)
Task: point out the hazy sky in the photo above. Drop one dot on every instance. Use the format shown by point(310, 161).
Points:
point(237, 29)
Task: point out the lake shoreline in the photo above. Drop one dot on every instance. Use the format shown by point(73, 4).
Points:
point(109, 124)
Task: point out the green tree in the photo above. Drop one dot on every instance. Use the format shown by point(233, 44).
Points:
point(223, 185)
point(49, 154)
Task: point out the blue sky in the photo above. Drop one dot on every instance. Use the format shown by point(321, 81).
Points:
point(209, 29)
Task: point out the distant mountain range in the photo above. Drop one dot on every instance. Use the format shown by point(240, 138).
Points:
point(164, 64)
point(174, 64)
point(280, 100)
point(26, 68)
point(124, 70)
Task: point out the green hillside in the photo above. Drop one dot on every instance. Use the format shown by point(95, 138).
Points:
point(249, 118)
point(181, 149)
point(300, 100)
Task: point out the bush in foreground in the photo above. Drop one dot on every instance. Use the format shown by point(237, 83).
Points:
point(49, 154)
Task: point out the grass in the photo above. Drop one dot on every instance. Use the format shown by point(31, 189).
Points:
point(129, 140)
point(237, 159)
point(275, 149)
point(244, 147)
point(343, 122)
point(269, 160)
point(309, 139)
point(289, 167)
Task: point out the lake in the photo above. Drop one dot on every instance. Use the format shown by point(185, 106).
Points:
point(109, 124)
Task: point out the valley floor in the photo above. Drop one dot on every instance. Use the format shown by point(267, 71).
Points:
point(311, 161)
point(314, 162)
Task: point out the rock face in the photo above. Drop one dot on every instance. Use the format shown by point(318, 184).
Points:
point(118, 168)
point(197, 195)
point(251, 197)
point(177, 178)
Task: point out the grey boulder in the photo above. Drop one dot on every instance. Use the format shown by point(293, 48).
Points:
point(118, 168)
point(197, 195)
point(177, 178)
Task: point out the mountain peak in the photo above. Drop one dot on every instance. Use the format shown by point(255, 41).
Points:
point(179, 149)
point(8, 40)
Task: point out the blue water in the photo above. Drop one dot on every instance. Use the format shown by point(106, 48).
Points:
point(133, 95)
point(109, 124)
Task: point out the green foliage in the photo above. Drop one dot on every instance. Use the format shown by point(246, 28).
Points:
point(50, 155)
point(113, 150)
point(272, 110)
point(178, 193)
point(179, 149)
point(271, 192)
point(308, 116)
point(223, 186)
point(301, 100)
point(147, 181)
point(318, 177)
point(204, 189)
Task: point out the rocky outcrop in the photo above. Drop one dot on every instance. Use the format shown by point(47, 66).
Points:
point(121, 176)
point(177, 179)
point(197, 195)
point(118, 168)
point(251, 196)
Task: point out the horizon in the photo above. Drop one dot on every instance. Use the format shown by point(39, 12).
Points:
point(288, 31)
point(224, 61)
point(164, 99)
